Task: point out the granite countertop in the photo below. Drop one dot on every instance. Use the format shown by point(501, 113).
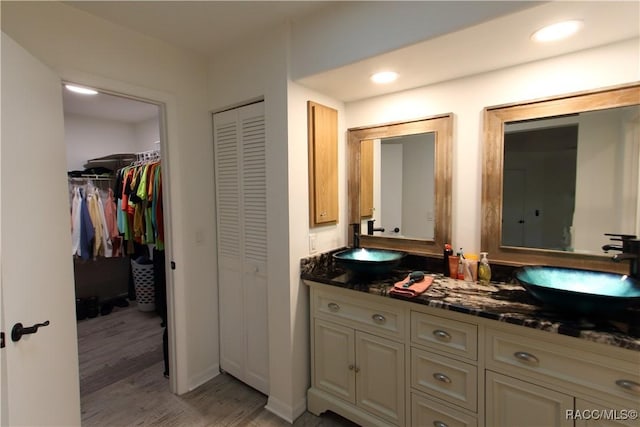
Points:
point(504, 302)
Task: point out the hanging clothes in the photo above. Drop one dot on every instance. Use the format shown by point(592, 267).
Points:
point(138, 193)
point(93, 228)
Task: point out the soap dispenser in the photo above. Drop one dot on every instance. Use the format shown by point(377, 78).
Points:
point(484, 270)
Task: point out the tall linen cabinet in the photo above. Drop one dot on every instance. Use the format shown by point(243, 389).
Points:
point(241, 208)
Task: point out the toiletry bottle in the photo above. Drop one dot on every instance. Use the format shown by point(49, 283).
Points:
point(484, 270)
point(445, 259)
point(471, 267)
point(461, 262)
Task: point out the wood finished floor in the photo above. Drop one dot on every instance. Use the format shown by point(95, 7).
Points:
point(122, 383)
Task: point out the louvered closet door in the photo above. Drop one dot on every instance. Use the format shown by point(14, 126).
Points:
point(239, 139)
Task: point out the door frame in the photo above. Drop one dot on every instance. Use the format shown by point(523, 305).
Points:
point(167, 113)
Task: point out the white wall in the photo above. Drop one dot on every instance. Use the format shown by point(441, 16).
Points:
point(147, 134)
point(88, 137)
point(258, 69)
point(94, 52)
point(467, 97)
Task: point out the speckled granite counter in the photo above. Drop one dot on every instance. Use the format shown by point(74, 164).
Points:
point(498, 301)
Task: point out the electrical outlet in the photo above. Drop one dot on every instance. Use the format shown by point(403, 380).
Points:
point(312, 243)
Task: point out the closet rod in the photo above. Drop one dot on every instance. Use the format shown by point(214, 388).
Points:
point(92, 177)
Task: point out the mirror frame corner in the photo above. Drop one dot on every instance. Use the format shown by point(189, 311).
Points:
point(492, 177)
point(442, 125)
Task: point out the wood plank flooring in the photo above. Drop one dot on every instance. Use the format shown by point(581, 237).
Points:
point(122, 383)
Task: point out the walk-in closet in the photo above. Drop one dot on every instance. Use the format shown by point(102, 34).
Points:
point(116, 223)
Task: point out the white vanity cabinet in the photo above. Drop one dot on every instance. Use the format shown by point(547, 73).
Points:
point(535, 378)
point(358, 359)
point(381, 361)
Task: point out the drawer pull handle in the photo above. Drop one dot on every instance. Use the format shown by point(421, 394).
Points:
point(333, 307)
point(442, 378)
point(442, 335)
point(439, 424)
point(629, 385)
point(379, 318)
point(529, 358)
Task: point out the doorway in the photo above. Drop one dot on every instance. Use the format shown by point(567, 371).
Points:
point(114, 165)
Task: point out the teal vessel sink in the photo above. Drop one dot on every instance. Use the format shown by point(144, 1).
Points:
point(369, 260)
point(579, 291)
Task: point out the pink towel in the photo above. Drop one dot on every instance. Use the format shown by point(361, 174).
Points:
point(412, 291)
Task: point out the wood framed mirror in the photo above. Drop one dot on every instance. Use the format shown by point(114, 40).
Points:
point(412, 161)
point(559, 173)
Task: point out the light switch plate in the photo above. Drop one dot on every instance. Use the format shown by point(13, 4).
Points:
point(312, 243)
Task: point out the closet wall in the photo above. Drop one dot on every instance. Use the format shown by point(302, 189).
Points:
point(90, 137)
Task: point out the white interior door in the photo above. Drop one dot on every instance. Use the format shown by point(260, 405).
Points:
point(40, 384)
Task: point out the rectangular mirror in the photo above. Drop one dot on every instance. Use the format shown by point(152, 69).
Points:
point(400, 178)
point(560, 173)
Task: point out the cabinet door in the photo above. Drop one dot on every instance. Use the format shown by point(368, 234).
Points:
point(380, 377)
point(323, 164)
point(334, 360)
point(514, 403)
point(366, 178)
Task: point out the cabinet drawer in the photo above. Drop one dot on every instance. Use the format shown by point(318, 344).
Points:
point(425, 412)
point(451, 336)
point(555, 363)
point(367, 316)
point(445, 378)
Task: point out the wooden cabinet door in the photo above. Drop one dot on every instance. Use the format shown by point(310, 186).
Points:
point(323, 164)
point(334, 360)
point(380, 377)
point(366, 178)
point(514, 403)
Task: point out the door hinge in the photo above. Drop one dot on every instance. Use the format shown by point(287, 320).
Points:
point(1, 339)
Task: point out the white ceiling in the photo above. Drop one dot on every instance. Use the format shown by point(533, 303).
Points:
point(496, 44)
point(204, 27)
point(208, 26)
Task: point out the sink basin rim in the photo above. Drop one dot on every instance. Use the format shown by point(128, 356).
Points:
point(582, 301)
point(362, 265)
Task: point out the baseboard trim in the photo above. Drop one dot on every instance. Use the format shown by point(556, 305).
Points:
point(203, 377)
point(286, 412)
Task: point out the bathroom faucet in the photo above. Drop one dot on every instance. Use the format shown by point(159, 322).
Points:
point(371, 229)
point(356, 235)
point(630, 250)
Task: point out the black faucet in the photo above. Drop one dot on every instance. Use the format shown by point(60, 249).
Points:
point(629, 250)
point(356, 235)
point(371, 229)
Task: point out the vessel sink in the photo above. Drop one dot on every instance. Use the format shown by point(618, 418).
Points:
point(579, 291)
point(369, 260)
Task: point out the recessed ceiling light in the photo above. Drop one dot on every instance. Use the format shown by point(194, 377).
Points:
point(82, 90)
point(557, 31)
point(384, 77)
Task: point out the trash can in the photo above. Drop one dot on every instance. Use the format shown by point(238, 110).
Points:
point(143, 282)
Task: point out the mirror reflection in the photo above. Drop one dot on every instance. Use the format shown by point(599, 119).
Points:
point(557, 174)
point(569, 180)
point(397, 186)
point(400, 184)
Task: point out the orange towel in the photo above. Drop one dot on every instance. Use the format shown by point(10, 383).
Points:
point(412, 291)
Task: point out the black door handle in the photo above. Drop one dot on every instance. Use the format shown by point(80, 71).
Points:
point(18, 330)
